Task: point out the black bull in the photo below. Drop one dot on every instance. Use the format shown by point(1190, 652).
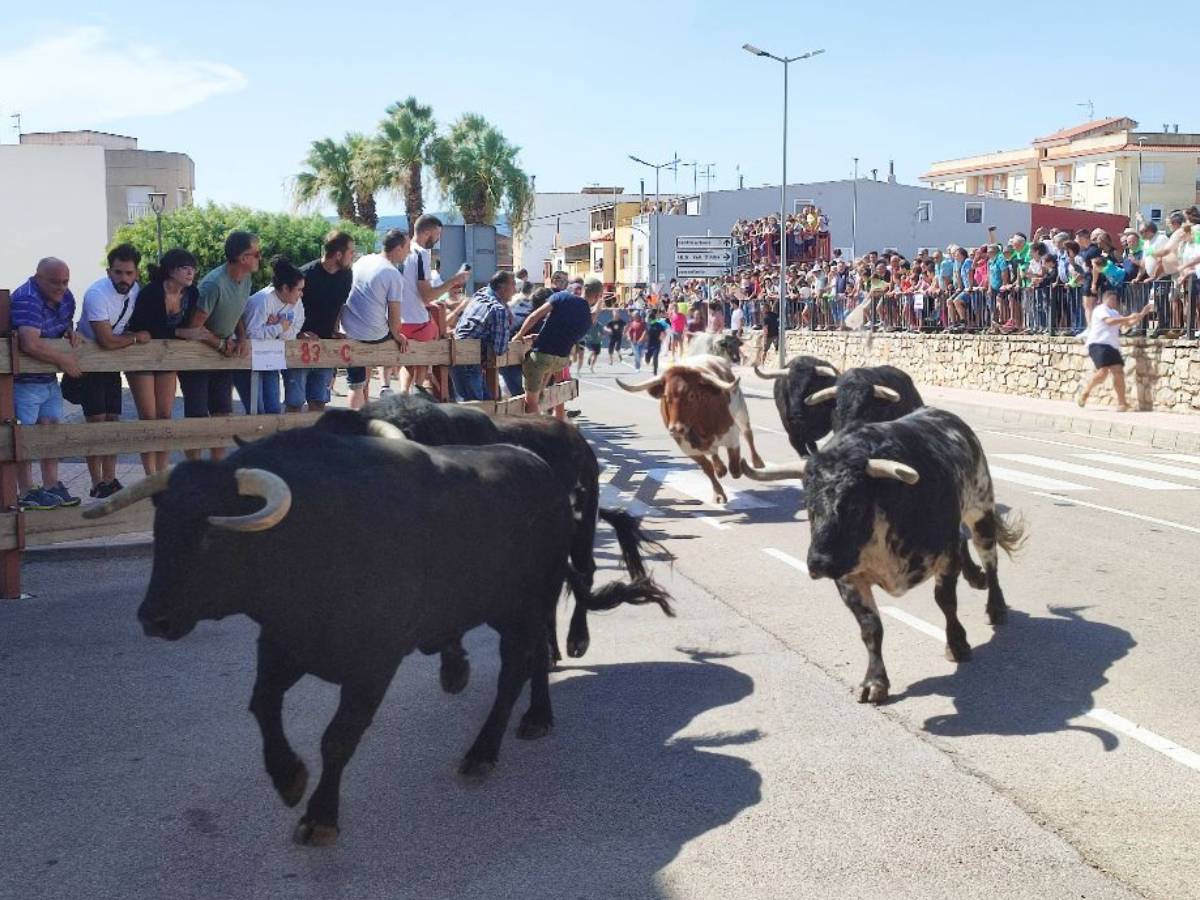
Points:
point(366, 550)
point(560, 445)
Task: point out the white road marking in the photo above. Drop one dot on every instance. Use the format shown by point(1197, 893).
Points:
point(1149, 484)
point(1180, 457)
point(913, 622)
point(1160, 468)
point(1002, 473)
point(1169, 748)
point(1105, 717)
point(1122, 512)
point(616, 499)
point(695, 484)
point(786, 559)
point(1088, 437)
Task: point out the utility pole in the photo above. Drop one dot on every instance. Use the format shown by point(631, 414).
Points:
point(854, 215)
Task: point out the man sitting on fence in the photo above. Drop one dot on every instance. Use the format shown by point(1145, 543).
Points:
point(567, 319)
point(43, 313)
point(486, 319)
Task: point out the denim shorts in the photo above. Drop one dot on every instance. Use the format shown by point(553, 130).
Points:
point(307, 385)
point(37, 401)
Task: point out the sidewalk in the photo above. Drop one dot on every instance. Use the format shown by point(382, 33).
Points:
point(1161, 430)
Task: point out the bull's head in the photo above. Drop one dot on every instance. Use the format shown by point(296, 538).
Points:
point(806, 423)
point(839, 494)
point(694, 403)
point(731, 346)
point(199, 507)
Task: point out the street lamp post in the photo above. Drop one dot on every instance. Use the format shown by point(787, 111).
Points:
point(158, 202)
point(1141, 142)
point(657, 168)
point(786, 60)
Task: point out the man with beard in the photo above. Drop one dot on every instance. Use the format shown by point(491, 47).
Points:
point(421, 319)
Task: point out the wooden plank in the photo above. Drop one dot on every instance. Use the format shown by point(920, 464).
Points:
point(182, 356)
point(59, 525)
point(516, 353)
point(137, 436)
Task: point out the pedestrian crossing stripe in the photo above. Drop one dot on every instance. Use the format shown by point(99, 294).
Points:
point(1180, 457)
point(1112, 459)
point(1059, 465)
point(1028, 479)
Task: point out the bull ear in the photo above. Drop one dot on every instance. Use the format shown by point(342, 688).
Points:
point(889, 468)
point(822, 396)
point(827, 371)
point(886, 393)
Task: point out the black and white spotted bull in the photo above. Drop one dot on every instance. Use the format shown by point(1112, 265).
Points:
point(886, 502)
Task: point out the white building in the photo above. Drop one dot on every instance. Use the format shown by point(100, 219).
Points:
point(66, 193)
point(559, 220)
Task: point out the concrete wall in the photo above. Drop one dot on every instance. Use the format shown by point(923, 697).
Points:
point(174, 174)
point(1166, 377)
point(52, 203)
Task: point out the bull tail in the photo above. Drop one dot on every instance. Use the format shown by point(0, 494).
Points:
point(1010, 532)
point(639, 592)
point(975, 576)
point(633, 541)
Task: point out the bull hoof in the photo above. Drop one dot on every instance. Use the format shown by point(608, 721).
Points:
point(531, 729)
point(997, 615)
point(758, 462)
point(455, 675)
point(292, 792)
point(576, 647)
point(314, 834)
point(720, 499)
point(475, 771)
point(962, 654)
point(873, 692)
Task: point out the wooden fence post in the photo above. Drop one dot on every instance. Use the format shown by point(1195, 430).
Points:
point(10, 560)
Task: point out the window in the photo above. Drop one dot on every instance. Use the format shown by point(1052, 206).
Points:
point(798, 205)
point(641, 258)
point(624, 259)
point(1103, 207)
point(1154, 173)
point(974, 213)
point(1104, 174)
point(925, 211)
point(1156, 215)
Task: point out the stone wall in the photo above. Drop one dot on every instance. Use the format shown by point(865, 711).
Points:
point(1161, 375)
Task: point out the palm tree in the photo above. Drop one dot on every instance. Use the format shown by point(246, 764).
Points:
point(404, 142)
point(328, 176)
point(477, 170)
point(366, 176)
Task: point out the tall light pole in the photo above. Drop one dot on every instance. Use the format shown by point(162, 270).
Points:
point(786, 60)
point(158, 203)
point(654, 224)
point(854, 215)
point(1141, 142)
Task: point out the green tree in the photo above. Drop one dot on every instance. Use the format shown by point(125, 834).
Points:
point(202, 230)
point(478, 172)
point(367, 177)
point(328, 176)
point(404, 142)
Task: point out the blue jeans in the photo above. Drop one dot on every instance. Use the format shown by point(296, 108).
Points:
point(306, 385)
point(468, 383)
point(513, 380)
point(268, 392)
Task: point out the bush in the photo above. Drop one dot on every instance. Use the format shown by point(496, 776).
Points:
point(202, 231)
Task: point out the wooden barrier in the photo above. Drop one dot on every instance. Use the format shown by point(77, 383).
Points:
point(19, 444)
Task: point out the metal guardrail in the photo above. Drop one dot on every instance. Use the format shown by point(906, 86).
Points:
point(20, 443)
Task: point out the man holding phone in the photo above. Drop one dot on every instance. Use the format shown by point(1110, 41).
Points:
point(421, 317)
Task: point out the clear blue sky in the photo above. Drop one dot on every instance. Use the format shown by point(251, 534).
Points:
point(244, 87)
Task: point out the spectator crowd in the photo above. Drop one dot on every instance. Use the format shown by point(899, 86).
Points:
point(395, 296)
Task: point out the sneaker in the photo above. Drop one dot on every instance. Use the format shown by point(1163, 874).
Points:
point(39, 498)
point(104, 489)
point(116, 485)
point(60, 491)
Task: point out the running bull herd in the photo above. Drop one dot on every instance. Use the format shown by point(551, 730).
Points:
point(887, 498)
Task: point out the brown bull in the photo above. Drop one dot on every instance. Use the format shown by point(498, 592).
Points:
point(704, 410)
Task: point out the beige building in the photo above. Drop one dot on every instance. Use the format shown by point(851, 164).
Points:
point(66, 193)
point(611, 243)
point(1105, 166)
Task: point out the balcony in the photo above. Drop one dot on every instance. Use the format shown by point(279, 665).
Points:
point(1062, 190)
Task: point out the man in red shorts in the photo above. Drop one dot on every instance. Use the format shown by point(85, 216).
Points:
point(417, 319)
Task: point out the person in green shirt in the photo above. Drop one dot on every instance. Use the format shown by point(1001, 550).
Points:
point(216, 320)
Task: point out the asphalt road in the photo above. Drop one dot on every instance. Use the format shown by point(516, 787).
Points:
point(716, 754)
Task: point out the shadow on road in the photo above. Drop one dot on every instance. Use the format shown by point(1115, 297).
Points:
point(1032, 677)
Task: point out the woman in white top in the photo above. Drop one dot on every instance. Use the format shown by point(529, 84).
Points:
point(1103, 339)
point(275, 313)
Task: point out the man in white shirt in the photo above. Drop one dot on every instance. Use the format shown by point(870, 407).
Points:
point(421, 317)
point(107, 308)
point(372, 311)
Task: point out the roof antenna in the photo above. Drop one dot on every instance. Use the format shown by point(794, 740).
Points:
point(1091, 108)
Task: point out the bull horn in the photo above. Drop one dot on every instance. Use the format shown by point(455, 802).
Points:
point(258, 483)
point(719, 384)
point(381, 429)
point(775, 473)
point(822, 396)
point(886, 393)
point(889, 468)
point(142, 490)
point(770, 374)
point(827, 371)
point(644, 386)
point(241, 441)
